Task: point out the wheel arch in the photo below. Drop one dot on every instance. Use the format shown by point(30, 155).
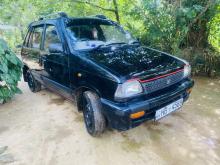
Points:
point(79, 95)
point(25, 69)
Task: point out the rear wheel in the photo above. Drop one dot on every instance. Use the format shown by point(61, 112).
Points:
point(33, 84)
point(93, 118)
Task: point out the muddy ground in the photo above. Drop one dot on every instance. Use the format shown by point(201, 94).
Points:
point(44, 129)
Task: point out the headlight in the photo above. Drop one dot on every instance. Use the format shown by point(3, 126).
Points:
point(187, 70)
point(128, 89)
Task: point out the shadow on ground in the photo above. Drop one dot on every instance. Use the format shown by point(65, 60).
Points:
point(44, 128)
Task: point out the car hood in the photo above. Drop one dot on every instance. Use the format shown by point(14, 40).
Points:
point(135, 61)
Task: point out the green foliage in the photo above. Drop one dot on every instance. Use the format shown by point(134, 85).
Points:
point(214, 34)
point(203, 61)
point(178, 26)
point(10, 72)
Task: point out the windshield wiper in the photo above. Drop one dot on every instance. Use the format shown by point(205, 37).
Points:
point(99, 46)
point(83, 39)
point(116, 43)
point(134, 42)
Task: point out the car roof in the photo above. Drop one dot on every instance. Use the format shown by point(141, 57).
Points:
point(41, 22)
point(86, 20)
point(70, 20)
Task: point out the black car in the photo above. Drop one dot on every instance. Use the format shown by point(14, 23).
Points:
point(114, 80)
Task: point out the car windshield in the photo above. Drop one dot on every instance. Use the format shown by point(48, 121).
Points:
point(95, 33)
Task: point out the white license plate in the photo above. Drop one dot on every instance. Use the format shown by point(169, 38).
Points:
point(168, 109)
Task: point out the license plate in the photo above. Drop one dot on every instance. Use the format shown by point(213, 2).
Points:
point(168, 109)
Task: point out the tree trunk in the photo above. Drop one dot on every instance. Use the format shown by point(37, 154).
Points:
point(198, 34)
point(116, 11)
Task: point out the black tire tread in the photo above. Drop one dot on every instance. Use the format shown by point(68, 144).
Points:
point(99, 119)
point(37, 85)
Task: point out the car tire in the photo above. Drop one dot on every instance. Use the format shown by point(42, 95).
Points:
point(94, 120)
point(33, 84)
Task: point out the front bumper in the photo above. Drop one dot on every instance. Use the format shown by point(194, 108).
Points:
point(118, 114)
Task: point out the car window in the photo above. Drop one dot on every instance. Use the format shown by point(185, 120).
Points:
point(95, 33)
point(86, 32)
point(115, 34)
point(36, 37)
point(27, 38)
point(51, 38)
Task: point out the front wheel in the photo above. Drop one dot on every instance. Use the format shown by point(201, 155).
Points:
point(93, 117)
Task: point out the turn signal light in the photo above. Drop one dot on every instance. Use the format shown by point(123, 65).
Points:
point(137, 115)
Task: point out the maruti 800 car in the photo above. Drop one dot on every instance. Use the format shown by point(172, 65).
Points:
point(114, 80)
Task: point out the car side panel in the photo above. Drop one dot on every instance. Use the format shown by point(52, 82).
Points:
point(85, 74)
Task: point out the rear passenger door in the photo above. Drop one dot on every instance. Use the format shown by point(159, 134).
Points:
point(55, 60)
point(32, 49)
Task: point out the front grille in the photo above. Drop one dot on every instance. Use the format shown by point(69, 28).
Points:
point(164, 82)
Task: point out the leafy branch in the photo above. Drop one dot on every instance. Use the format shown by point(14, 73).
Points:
point(10, 72)
point(94, 5)
point(209, 3)
point(115, 10)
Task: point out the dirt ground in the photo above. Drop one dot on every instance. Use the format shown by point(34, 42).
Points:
point(44, 129)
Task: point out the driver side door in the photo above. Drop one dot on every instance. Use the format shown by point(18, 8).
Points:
point(55, 62)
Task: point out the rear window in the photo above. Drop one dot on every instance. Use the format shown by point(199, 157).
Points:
point(27, 38)
point(36, 37)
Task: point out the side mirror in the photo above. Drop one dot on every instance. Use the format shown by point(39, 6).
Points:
point(55, 48)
